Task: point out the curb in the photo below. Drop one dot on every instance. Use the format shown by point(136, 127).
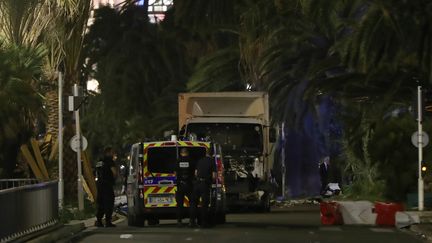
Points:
point(63, 233)
point(81, 234)
point(39, 233)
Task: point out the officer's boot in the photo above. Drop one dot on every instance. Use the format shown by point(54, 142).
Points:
point(98, 223)
point(192, 223)
point(108, 223)
point(179, 217)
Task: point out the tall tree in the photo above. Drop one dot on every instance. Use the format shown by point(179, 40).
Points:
point(58, 26)
point(140, 69)
point(296, 51)
point(20, 104)
point(24, 22)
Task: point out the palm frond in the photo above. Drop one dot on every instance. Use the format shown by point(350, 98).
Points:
point(217, 72)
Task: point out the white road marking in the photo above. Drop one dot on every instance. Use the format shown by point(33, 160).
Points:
point(330, 228)
point(382, 230)
point(126, 236)
point(189, 238)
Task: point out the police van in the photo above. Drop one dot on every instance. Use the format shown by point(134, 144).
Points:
point(151, 183)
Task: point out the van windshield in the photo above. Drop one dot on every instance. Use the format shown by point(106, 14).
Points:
point(164, 159)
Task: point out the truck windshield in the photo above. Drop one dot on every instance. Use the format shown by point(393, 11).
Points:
point(164, 159)
point(234, 137)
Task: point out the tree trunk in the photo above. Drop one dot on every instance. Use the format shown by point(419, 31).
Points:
point(69, 157)
point(70, 167)
point(52, 129)
point(51, 103)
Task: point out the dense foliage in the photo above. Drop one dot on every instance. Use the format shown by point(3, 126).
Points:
point(20, 104)
point(341, 76)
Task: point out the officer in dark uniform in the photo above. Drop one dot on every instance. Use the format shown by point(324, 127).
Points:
point(323, 169)
point(184, 182)
point(106, 173)
point(205, 174)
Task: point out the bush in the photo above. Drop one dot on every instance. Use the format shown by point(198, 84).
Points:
point(71, 212)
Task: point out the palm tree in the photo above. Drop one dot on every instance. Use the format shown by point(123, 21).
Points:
point(376, 57)
point(20, 104)
point(58, 26)
point(293, 49)
point(203, 27)
point(382, 52)
point(140, 69)
point(23, 22)
point(70, 25)
point(218, 72)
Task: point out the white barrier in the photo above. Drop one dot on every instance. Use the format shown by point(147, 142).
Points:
point(404, 219)
point(363, 213)
point(357, 212)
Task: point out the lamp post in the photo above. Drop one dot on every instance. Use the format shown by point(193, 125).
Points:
point(78, 151)
point(283, 168)
point(420, 149)
point(60, 140)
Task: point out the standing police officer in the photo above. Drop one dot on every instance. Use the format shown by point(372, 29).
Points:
point(106, 173)
point(205, 174)
point(184, 182)
point(324, 169)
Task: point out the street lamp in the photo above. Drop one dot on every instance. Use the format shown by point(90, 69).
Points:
point(420, 149)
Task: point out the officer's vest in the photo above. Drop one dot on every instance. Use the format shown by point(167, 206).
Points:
point(184, 170)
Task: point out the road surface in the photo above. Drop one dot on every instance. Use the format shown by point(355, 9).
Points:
point(296, 224)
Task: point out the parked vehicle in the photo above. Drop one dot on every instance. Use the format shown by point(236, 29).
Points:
point(151, 183)
point(239, 122)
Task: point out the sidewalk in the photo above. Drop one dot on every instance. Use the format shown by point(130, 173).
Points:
point(66, 232)
point(62, 232)
point(424, 229)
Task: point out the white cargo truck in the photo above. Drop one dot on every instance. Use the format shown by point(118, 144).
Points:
point(239, 122)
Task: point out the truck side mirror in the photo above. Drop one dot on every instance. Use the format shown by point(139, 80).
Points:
point(272, 135)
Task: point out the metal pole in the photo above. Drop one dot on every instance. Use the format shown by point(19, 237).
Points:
point(283, 160)
point(420, 149)
point(78, 133)
point(60, 140)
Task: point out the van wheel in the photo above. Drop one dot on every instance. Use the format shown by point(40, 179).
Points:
point(153, 221)
point(134, 213)
point(135, 220)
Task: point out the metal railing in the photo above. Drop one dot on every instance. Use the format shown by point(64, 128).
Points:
point(26, 209)
point(10, 183)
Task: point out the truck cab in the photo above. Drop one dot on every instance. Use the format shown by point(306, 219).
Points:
point(152, 184)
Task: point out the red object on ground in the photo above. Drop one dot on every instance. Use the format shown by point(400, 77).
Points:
point(330, 213)
point(386, 213)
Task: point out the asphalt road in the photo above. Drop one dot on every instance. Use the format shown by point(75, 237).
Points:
point(296, 224)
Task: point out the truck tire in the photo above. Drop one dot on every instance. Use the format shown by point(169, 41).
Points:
point(265, 203)
point(220, 218)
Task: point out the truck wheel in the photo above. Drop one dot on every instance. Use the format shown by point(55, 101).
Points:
point(265, 204)
point(220, 218)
